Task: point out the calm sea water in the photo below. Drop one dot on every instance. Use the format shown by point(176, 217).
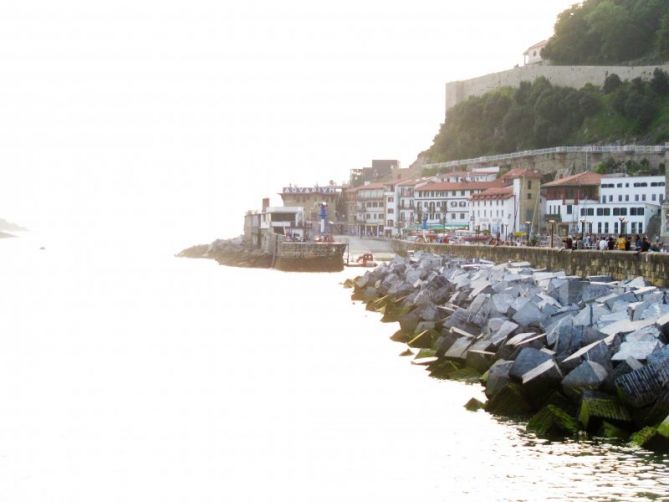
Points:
point(127, 374)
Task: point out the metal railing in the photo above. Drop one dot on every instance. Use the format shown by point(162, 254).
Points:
point(551, 151)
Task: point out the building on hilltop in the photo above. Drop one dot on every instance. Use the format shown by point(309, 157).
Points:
point(533, 54)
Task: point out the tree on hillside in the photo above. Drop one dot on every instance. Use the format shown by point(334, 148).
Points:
point(609, 31)
point(662, 38)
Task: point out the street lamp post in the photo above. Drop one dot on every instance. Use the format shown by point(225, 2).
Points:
point(622, 224)
point(582, 220)
point(527, 230)
point(552, 222)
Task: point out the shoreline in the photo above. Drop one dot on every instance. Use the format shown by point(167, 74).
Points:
point(571, 356)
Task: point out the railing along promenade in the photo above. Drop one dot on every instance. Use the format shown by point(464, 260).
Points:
point(640, 149)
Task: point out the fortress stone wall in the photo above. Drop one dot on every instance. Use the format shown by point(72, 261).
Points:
point(567, 76)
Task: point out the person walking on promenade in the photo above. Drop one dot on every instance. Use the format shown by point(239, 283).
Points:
point(569, 243)
point(645, 244)
point(628, 243)
point(612, 243)
point(620, 243)
point(603, 244)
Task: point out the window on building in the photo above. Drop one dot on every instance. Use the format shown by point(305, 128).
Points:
point(610, 198)
point(606, 227)
point(615, 227)
point(619, 185)
point(452, 216)
point(590, 211)
point(529, 184)
point(462, 193)
point(603, 199)
point(391, 210)
point(568, 208)
point(636, 197)
point(599, 227)
point(454, 192)
point(462, 216)
point(643, 197)
point(641, 184)
point(634, 227)
point(582, 211)
point(640, 227)
point(620, 198)
point(529, 195)
point(627, 198)
point(653, 197)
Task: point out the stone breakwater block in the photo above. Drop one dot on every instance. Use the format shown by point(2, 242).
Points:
point(656, 413)
point(528, 315)
point(636, 283)
point(663, 324)
point(623, 297)
point(501, 302)
point(498, 377)
point(502, 333)
point(480, 360)
point(589, 315)
point(639, 350)
point(625, 326)
point(596, 406)
point(659, 356)
point(400, 336)
point(423, 340)
point(654, 438)
point(596, 351)
point(643, 386)
point(509, 402)
point(458, 350)
point(409, 322)
point(611, 431)
point(593, 291)
point(474, 404)
point(588, 375)
point(442, 369)
point(539, 382)
point(527, 359)
point(552, 421)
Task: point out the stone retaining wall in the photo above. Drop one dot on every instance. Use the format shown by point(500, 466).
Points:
point(654, 267)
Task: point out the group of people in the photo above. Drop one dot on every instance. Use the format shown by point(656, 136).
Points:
point(610, 243)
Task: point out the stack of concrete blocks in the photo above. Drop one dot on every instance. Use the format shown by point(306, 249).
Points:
point(582, 354)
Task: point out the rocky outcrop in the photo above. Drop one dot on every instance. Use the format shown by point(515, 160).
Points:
point(231, 252)
point(573, 355)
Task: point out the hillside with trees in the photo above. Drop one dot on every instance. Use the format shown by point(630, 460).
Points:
point(540, 115)
point(601, 32)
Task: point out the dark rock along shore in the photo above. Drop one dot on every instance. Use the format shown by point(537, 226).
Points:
point(572, 355)
point(231, 252)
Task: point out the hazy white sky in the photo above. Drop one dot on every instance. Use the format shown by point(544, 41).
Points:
point(172, 114)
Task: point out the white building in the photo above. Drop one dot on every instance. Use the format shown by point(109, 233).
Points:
point(370, 212)
point(391, 229)
point(604, 205)
point(284, 220)
point(495, 210)
point(446, 205)
point(404, 197)
point(533, 54)
point(632, 189)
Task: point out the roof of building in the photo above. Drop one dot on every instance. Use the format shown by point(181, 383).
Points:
point(580, 179)
point(536, 46)
point(369, 186)
point(407, 182)
point(521, 172)
point(494, 193)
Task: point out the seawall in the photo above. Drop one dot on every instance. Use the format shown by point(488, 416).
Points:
point(567, 76)
point(620, 265)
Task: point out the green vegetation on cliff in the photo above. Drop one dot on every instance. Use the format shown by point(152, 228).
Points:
point(599, 32)
point(541, 115)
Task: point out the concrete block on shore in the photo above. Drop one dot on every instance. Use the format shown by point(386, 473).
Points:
point(588, 375)
point(596, 407)
point(527, 359)
point(528, 315)
point(643, 386)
